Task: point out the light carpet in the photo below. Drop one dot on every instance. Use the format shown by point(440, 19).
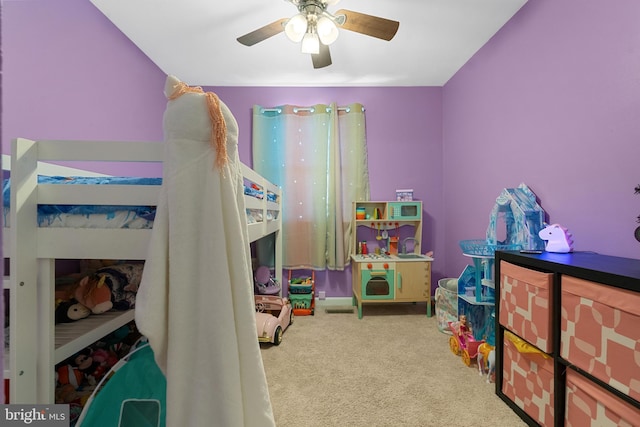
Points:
point(393, 367)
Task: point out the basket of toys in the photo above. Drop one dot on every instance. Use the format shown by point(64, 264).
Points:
point(302, 293)
point(301, 301)
point(478, 247)
point(300, 285)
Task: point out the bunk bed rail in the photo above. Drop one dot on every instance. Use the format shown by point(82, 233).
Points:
point(36, 343)
point(31, 365)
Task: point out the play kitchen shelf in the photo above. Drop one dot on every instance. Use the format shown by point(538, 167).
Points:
point(387, 223)
point(386, 262)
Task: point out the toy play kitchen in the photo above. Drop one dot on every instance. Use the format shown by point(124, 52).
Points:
point(386, 262)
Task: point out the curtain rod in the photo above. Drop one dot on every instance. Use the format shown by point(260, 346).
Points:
point(308, 109)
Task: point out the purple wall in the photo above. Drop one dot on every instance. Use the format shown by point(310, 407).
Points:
point(71, 74)
point(553, 100)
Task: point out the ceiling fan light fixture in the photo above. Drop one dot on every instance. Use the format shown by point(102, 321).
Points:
point(315, 28)
point(296, 28)
point(327, 30)
point(310, 43)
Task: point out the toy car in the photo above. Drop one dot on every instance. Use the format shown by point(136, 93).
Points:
point(273, 315)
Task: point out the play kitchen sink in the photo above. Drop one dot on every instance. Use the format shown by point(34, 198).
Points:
point(412, 256)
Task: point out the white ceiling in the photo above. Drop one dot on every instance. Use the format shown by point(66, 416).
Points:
point(195, 40)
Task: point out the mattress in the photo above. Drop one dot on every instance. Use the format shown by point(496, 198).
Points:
point(89, 216)
point(105, 216)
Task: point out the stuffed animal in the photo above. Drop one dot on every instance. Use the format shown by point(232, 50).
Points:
point(93, 293)
point(104, 357)
point(91, 369)
point(88, 296)
point(123, 281)
point(69, 374)
point(112, 287)
point(69, 311)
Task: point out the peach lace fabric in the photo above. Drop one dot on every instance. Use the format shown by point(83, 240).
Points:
point(219, 126)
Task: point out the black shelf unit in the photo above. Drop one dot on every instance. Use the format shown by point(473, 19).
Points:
point(607, 270)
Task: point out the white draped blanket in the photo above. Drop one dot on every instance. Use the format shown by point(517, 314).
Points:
point(195, 301)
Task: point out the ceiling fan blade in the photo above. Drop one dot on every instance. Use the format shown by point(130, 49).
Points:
point(263, 33)
point(369, 25)
point(322, 59)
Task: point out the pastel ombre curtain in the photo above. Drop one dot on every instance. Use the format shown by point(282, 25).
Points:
point(318, 155)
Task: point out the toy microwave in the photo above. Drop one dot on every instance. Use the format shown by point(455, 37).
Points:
point(405, 211)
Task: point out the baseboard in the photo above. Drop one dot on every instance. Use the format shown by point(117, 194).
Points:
point(334, 302)
point(345, 301)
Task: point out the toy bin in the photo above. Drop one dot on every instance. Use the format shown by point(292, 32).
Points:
point(525, 301)
point(302, 294)
point(446, 297)
point(300, 286)
point(600, 334)
point(527, 378)
point(301, 301)
point(588, 404)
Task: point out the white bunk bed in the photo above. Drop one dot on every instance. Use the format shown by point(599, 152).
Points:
point(36, 343)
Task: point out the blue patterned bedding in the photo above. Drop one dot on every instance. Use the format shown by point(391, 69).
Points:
point(104, 216)
point(50, 214)
point(257, 192)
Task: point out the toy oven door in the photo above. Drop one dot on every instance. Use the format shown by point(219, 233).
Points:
point(377, 284)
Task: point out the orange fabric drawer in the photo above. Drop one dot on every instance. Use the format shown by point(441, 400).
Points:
point(588, 404)
point(527, 379)
point(600, 332)
point(525, 301)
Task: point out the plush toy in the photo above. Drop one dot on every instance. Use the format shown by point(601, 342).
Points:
point(93, 293)
point(112, 287)
point(80, 372)
point(123, 281)
point(104, 357)
point(69, 374)
point(89, 296)
point(91, 369)
point(69, 311)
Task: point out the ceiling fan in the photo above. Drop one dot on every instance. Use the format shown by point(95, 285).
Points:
point(316, 28)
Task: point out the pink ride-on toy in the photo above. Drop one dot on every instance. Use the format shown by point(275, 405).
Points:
point(273, 316)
